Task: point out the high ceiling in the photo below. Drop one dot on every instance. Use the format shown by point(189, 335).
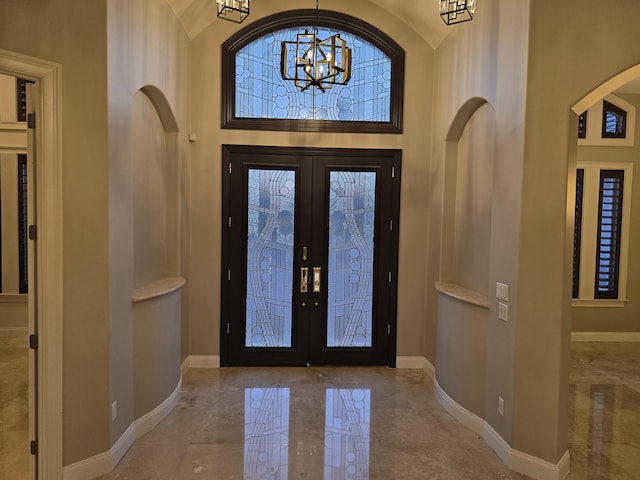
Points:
point(196, 15)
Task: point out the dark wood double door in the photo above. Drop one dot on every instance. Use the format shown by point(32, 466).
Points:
point(309, 256)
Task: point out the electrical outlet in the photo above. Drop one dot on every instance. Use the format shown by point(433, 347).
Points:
point(503, 312)
point(114, 411)
point(502, 291)
point(501, 406)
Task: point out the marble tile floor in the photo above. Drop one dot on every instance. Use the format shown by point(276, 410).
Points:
point(374, 423)
point(310, 423)
point(14, 411)
point(339, 423)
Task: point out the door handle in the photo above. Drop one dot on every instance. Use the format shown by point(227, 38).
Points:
point(316, 279)
point(304, 279)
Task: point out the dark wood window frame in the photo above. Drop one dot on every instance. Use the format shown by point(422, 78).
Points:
point(577, 232)
point(582, 125)
point(610, 274)
point(621, 120)
point(301, 18)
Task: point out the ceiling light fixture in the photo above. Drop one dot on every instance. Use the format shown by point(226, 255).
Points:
point(311, 62)
point(233, 10)
point(457, 11)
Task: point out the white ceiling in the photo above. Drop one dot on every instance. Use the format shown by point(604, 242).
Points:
point(196, 15)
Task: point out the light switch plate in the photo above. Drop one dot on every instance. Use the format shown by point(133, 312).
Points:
point(503, 312)
point(502, 291)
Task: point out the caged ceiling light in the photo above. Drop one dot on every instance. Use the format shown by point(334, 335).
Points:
point(311, 62)
point(457, 11)
point(233, 10)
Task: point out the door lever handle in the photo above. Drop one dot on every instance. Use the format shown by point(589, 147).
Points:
point(316, 279)
point(304, 279)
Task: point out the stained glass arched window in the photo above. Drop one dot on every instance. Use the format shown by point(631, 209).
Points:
point(254, 95)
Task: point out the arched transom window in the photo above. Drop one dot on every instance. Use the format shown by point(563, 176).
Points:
point(255, 95)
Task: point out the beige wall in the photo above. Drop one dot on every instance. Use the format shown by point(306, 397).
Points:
point(73, 33)
point(625, 319)
point(486, 58)
point(148, 50)
point(413, 322)
point(566, 61)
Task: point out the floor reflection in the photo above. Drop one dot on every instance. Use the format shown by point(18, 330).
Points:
point(373, 424)
point(346, 445)
point(346, 434)
point(266, 433)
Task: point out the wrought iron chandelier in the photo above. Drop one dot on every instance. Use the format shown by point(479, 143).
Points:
point(311, 62)
point(457, 11)
point(233, 10)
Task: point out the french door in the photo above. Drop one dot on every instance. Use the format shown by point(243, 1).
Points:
point(309, 256)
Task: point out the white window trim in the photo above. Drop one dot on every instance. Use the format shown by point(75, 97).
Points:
point(590, 200)
point(594, 125)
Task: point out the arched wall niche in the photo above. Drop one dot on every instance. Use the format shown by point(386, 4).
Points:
point(467, 202)
point(156, 177)
point(462, 305)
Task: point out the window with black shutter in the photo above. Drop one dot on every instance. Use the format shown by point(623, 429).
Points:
point(609, 234)
point(22, 225)
point(582, 125)
point(577, 232)
point(614, 121)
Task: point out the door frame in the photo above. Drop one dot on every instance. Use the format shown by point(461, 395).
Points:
point(48, 289)
point(228, 151)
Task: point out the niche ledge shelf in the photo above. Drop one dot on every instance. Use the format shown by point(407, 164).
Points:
point(463, 294)
point(157, 288)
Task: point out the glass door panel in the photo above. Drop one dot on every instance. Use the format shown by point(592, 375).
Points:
point(309, 254)
point(270, 242)
point(352, 198)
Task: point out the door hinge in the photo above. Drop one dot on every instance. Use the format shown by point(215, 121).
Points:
point(227, 328)
point(31, 120)
point(33, 341)
point(34, 447)
point(33, 232)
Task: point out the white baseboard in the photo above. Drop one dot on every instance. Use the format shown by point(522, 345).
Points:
point(464, 416)
point(518, 461)
point(605, 336)
point(147, 422)
point(415, 362)
point(92, 467)
point(14, 332)
point(201, 361)
point(105, 462)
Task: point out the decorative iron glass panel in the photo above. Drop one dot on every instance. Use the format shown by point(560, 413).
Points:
point(270, 232)
point(347, 438)
point(260, 91)
point(266, 433)
point(351, 250)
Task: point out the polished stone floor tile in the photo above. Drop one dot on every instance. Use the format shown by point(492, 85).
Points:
point(345, 423)
point(14, 413)
point(314, 423)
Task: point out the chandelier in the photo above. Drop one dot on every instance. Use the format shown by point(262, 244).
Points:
point(457, 11)
point(312, 62)
point(233, 10)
